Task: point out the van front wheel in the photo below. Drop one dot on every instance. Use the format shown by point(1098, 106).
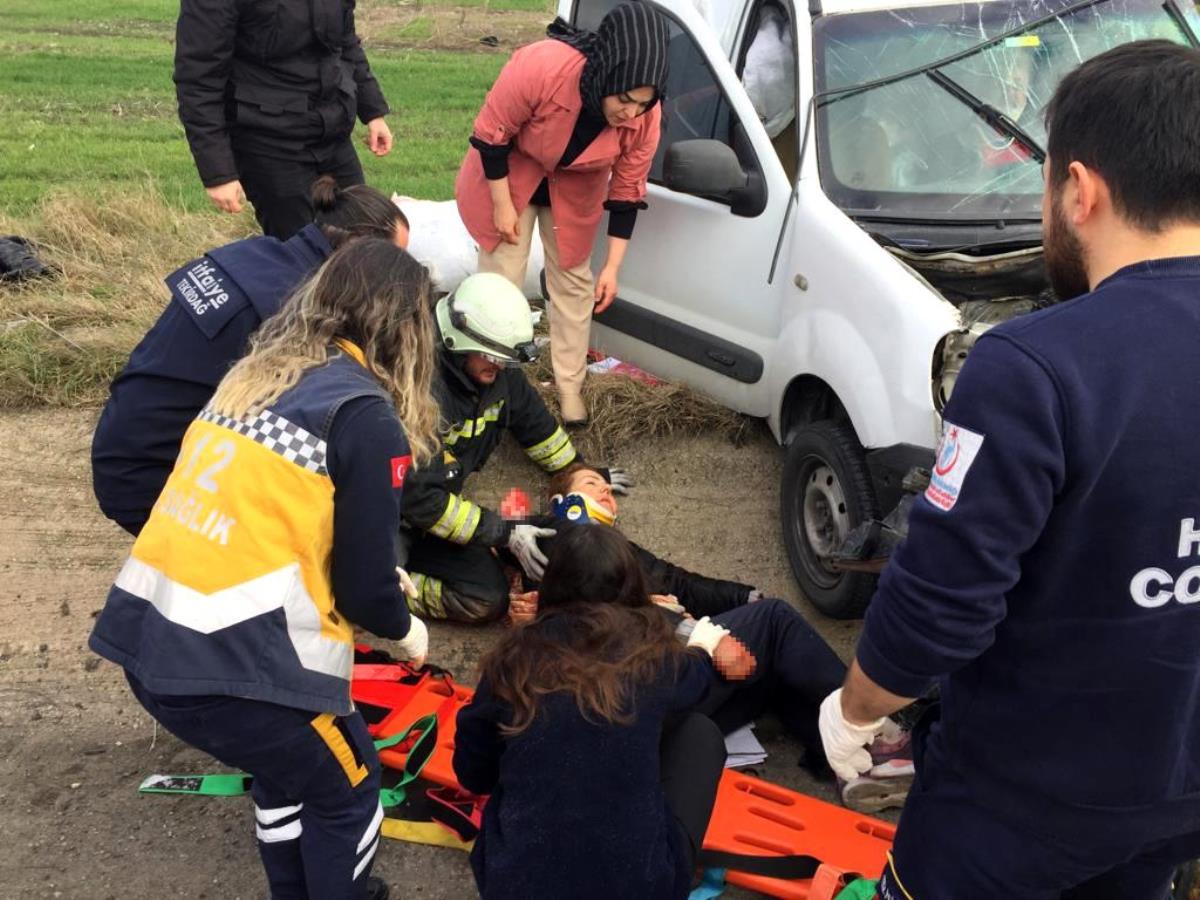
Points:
point(826, 493)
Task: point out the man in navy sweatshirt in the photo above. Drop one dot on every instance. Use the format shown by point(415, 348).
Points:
point(1050, 583)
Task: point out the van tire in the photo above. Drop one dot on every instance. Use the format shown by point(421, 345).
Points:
point(826, 492)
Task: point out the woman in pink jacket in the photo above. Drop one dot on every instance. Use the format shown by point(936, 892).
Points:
point(568, 130)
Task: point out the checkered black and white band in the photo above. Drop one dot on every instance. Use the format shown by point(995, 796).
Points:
point(278, 435)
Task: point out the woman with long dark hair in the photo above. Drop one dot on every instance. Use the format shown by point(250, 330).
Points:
point(568, 130)
point(589, 797)
point(274, 536)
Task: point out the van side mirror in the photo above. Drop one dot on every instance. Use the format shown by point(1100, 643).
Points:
point(708, 168)
point(703, 167)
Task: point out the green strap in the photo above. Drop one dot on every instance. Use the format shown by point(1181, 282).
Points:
point(231, 784)
point(420, 753)
point(859, 889)
point(234, 784)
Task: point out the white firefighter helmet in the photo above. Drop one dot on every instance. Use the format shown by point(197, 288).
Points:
point(487, 314)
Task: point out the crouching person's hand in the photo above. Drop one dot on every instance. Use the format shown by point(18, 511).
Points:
point(733, 660)
point(522, 608)
point(414, 646)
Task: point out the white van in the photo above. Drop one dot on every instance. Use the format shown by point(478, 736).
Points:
point(827, 259)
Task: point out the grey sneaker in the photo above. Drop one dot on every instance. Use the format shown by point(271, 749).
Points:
point(884, 786)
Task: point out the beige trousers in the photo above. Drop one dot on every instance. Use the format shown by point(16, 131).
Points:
point(572, 296)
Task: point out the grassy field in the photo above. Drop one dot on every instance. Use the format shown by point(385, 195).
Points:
point(88, 102)
point(95, 167)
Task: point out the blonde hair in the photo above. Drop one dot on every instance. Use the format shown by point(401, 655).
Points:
point(370, 293)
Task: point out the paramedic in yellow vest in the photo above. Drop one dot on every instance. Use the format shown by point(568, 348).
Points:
point(273, 538)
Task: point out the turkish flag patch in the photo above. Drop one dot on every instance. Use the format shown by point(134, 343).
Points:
point(400, 466)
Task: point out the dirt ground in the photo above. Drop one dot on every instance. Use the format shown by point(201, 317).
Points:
point(74, 744)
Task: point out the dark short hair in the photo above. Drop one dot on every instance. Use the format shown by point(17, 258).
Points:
point(1132, 114)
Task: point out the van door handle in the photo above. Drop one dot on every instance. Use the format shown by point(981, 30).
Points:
point(723, 358)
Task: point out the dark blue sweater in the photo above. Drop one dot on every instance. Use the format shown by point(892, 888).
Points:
point(1050, 579)
point(216, 303)
point(576, 807)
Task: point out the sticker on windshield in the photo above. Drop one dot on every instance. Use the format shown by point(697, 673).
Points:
point(955, 454)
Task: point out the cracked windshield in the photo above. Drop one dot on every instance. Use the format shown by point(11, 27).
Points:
point(959, 140)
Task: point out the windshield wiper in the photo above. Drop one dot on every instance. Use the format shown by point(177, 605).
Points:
point(989, 114)
point(824, 98)
point(1181, 22)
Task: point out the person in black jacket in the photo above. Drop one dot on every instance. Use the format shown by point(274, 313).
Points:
point(772, 658)
point(601, 784)
point(217, 302)
point(268, 93)
point(486, 332)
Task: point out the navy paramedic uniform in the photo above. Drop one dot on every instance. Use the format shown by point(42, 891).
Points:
point(268, 93)
point(587, 809)
point(233, 615)
point(216, 303)
point(450, 538)
point(1050, 583)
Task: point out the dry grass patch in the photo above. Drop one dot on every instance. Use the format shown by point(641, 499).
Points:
point(625, 410)
point(62, 339)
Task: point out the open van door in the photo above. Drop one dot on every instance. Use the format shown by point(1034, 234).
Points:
point(696, 280)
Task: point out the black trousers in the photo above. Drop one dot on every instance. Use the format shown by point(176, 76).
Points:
point(691, 759)
point(316, 786)
point(796, 671)
point(281, 188)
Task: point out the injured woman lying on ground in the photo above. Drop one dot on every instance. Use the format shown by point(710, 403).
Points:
point(772, 659)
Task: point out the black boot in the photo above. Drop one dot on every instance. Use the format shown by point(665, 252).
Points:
point(377, 888)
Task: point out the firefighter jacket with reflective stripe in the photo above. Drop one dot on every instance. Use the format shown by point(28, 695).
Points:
point(227, 589)
point(475, 418)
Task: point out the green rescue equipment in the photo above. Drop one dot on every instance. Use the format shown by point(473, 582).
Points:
point(422, 733)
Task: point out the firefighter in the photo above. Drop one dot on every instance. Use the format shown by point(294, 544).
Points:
point(234, 614)
point(216, 303)
point(1051, 574)
point(486, 334)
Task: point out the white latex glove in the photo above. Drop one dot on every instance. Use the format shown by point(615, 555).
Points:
point(522, 541)
point(414, 647)
point(406, 583)
point(620, 481)
point(845, 743)
point(706, 634)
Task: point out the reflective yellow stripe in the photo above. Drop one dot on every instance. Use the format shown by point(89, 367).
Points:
point(461, 517)
point(467, 531)
point(473, 427)
point(549, 446)
point(554, 453)
point(561, 459)
point(428, 601)
point(443, 526)
point(892, 866)
point(323, 725)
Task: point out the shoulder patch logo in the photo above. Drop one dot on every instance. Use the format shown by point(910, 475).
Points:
point(400, 467)
point(955, 454)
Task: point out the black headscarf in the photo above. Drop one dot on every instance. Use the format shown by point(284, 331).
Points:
point(627, 51)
